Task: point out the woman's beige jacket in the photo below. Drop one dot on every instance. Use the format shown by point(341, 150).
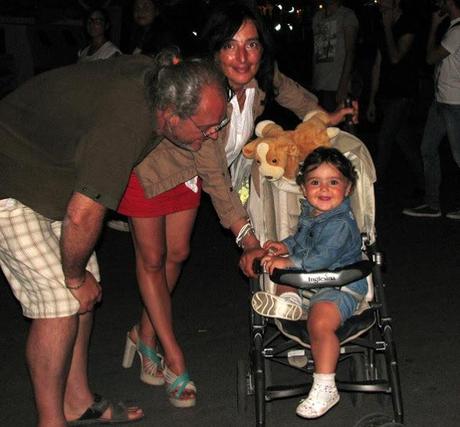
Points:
point(168, 165)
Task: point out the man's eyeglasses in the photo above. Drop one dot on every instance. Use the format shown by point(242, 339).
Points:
point(213, 130)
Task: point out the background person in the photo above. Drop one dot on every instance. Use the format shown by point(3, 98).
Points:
point(335, 29)
point(81, 148)
point(151, 32)
point(394, 88)
point(97, 24)
point(444, 113)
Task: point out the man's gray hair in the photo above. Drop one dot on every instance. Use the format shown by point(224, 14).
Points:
point(179, 86)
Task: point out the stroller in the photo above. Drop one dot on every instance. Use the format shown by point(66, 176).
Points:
point(367, 362)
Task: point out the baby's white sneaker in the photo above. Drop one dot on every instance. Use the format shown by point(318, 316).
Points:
point(322, 397)
point(287, 306)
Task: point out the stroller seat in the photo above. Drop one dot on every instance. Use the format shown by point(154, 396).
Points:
point(358, 324)
point(351, 329)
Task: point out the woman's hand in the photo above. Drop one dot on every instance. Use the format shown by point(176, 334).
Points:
point(339, 115)
point(247, 260)
point(271, 262)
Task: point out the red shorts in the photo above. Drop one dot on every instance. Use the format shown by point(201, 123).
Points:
point(179, 198)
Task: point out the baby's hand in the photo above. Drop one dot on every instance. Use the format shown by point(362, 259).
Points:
point(275, 248)
point(271, 262)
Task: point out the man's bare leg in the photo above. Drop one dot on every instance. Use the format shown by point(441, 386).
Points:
point(48, 351)
point(78, 397)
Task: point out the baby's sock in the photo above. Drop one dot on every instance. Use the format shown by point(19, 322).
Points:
point(325, 384)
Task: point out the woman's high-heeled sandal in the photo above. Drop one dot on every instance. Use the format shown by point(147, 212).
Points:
point(151, 361)
point(176, 386)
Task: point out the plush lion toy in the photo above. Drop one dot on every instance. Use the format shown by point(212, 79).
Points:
point(279, 152)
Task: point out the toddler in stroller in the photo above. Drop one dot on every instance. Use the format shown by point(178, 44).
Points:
point(327, 238)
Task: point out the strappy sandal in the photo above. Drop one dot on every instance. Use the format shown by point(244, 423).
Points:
point(150, 360)
point(176, 386)
point(120, 413)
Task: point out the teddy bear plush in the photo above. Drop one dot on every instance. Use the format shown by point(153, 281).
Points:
point(279, 152)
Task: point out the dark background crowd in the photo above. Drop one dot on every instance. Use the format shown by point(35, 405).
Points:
point(38, 35)
point(55, 32)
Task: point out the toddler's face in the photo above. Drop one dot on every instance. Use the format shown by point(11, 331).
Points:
point(325, 188)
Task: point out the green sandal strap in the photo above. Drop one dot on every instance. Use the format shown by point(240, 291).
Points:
point(180, 383)
point(149, 352)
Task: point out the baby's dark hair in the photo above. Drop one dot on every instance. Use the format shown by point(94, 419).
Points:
point(327, 155)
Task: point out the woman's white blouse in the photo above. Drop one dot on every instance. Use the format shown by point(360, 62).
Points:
point(241, 126)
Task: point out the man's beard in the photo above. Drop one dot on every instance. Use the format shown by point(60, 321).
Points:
point(172, 137)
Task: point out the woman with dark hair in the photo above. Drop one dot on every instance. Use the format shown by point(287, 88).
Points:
point(97, 25)
point(238, 40)
point(163, 195)
point(224, 23)
point(151, 32)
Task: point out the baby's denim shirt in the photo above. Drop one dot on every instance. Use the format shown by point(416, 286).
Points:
point(327, 241)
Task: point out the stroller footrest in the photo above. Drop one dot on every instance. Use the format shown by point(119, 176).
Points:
point(365, 386)
point(283, 391)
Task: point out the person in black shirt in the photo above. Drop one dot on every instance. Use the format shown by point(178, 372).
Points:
point(394, 87)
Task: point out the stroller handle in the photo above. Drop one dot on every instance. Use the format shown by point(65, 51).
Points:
point(320, 278)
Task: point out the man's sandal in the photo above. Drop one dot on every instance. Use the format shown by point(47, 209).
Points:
point(120, 413)
point(177, 386)
point(150, 360)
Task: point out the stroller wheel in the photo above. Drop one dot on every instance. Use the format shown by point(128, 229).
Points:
point(376, 420)
point(243, 386)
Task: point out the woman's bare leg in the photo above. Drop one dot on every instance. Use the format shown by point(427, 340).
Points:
point(159, 268)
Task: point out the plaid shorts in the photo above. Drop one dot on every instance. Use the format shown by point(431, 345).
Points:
point(31, 261)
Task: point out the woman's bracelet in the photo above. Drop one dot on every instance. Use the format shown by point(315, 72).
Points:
point(244, 231)
point(80, 284)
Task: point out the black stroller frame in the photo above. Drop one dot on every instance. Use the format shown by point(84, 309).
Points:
point(366, 340)
point(367, 348)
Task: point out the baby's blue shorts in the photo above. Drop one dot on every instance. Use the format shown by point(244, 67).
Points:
point(345, 302)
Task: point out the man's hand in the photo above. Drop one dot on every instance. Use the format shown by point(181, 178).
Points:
point(247, 260)
point(88, 294)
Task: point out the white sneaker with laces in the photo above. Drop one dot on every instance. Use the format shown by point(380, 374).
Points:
point(280, 307)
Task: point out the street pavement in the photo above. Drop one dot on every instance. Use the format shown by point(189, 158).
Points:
point(211, 319)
